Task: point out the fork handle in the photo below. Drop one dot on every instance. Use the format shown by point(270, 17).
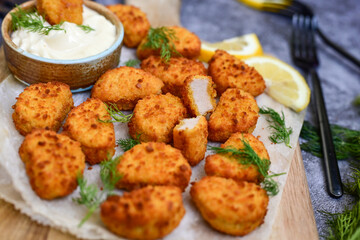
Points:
point(332, 173)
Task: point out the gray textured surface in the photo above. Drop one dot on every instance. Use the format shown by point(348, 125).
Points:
point(215, 20)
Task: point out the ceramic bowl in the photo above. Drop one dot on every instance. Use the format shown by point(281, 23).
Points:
point(79, 74)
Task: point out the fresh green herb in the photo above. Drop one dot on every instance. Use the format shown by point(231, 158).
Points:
point(116, 114)
point(246, 156)
point(127, 144)
point(162, 38)
point(346, 225)
point(31, 21)
point(109, 175)
point(352, 187)
point(132, 62)
point(86, 28)
point(281, 133)
point(90, 195)
point(356, 101)
point(346, 141)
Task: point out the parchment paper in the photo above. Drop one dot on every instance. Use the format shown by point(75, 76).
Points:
point(65, 215)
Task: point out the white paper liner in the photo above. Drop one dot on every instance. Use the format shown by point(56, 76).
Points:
point(65, 215)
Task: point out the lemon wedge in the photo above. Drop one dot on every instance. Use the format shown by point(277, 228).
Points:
point(261, 4)
point(283, 83)
point(241, 47)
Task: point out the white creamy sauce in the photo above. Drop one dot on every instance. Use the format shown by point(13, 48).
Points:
point(73, 43)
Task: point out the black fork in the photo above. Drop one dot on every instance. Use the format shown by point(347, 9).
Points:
point(303, 53)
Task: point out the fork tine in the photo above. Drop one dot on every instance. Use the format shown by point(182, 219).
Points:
point(295, 37)
point(303, 46)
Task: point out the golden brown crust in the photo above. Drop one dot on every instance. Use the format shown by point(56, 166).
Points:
point(148, 213)
point(187, 44)
point(52, 162)
point(57, 11)
point(155, 116)
point(187, 94)
point(228, 71)
point(136, 25)
point(125, 86)
point(153, 163)
point(42, 105)
point(227, 166)
point(228, 206)
point(192, 141)
point(97, 138)
point(237, 111)
point(173, 73)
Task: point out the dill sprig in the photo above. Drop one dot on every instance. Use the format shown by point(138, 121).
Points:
point(246, 156)
point(31, 21)
point(352, 187)
point(356, 101)
point(116, 114)
point(162, 38)
point(346, 225)
point(346, 141)
point(280, 133)
point(86, 28)
point(90, 195)
point(132, 62)
point(127, 144)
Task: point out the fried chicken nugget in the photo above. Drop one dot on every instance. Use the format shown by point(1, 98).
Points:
point(155, 117)
point(231, 207)
point(198, 94)
point(237, 111)
point(52, 162)
point(97, 138)
point(173, 73)
point(57, 11)
point(42, 105)
point(227, 166)
point(124, 86)
point(228, 71)
point(153, 163)
point(186, 43)
point(147, 213)
point(136, 25)
point(190, 136)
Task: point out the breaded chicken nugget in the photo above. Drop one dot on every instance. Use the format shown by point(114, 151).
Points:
point(97, 138)
point(228, 166)
point(228, 71)
point(186, 43)
point(136, 25)
point(147, 213)
point(52, 162)
point(42, 105)
point(198, 94)
point(153, 163)
point(155, 117)
point(124, 86)
point(237, 111)
point(190, 136)
point(235, 208)
point(57, 11)
point(173, 73)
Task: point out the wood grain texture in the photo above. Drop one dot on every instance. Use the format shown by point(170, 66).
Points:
point(295, 219)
